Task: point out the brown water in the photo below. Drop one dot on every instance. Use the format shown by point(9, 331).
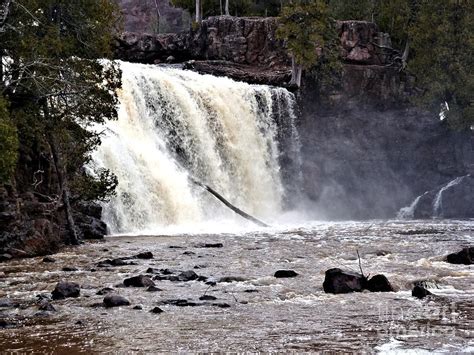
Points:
point(284, 315)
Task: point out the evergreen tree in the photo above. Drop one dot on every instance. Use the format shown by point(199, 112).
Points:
point(309, 34)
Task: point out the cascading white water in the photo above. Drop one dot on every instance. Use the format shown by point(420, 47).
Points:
point(438, 200)
point(174, 124)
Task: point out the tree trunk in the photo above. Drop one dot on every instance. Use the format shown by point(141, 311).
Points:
point(220, 6)
point(296, 72)
point(406, 52)
point(229, 205)
point(198, 11)
point(62, 180)
point(227, 7)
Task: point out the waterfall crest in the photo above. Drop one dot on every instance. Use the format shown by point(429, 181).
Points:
point(174, 124)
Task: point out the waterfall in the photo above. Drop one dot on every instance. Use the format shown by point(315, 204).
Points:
point(438, 200)
point(409, 211)
point(175, 124)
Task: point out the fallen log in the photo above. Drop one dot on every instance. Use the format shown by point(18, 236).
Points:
point(228, 204)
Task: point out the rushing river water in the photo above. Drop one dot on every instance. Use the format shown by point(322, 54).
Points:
point(265, 313)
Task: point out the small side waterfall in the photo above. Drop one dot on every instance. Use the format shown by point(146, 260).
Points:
point(174, 124)
point(409, 211)
point(429, 204)
point(438, 200)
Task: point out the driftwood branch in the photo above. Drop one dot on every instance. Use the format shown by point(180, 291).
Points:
point(229, 205)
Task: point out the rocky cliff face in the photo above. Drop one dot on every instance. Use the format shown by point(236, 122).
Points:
point(367, 151)
point(153, 16)
point(32, 220)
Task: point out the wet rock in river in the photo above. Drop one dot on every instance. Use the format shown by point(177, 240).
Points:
point(138, 307)
point(285, 274)
point(69, 269)
point(188, 276)
point(207, 298)
point(221, 305)
point(231, 279)
point(138, 281)
point(49, 259)
point(180, 303)
point(465, 257)
point(420, 292)
point(46, 306)
point(115, 262)
point(144, 255)
point(338, 281)
point(5, 257)
point(105, 291)
point(153, 289)
point(65, 289)
point(210, 245)
point(379, 283)
point(156, 310)
point(115, 301)
point(5, 323)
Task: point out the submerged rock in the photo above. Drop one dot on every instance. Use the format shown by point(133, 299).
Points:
point(210, 245)
point(420, 292)
point(465, 257)
point(188, 276)
point(285, 273)
point(338, 281)
point(46, 306)
point(231, 279)
point(115, 301)
point(65, 289)
point(153, 289)
point(144, 255)
point(105, 291)
point(138, 281)
point(180, 303)
point(49, 259)
point(379, 283)
point(69, 269)
point(207, 298)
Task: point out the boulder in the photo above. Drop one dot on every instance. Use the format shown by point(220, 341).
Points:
point(379, 283)
point(285, 273)
point(231, 279)
point(138, 281)
point(115, 301)
point(338, 281)
point(420, 292)
point(144, 255)
point(48, 259)
point(207, 298)
point(188, 276)
point(65, 289)
point(465, 257)
point(156, 310)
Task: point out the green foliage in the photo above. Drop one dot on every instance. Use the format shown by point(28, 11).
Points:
point(362, 10)
point(95, 186)
point(56, 80)
point(8, 144)
point(305, 26)
point(443, 46)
